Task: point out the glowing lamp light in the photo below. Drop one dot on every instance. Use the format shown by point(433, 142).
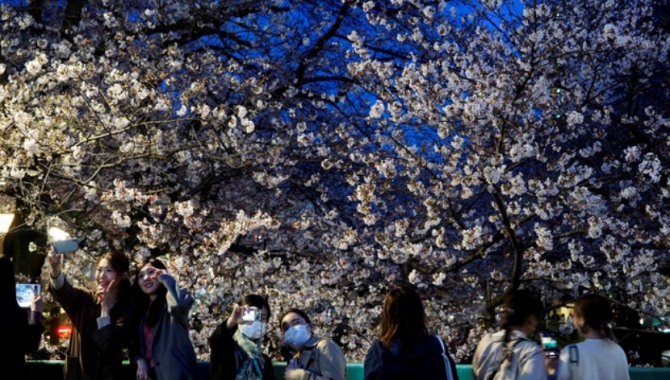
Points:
point(5, 222)
point(7, 211)
point(64, 331)
point(57, 234)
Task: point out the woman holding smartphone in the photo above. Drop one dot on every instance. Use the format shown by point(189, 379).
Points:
point(235, 345)
point(101, 320)
point(23, 329)
point(598, 356)
point(163, 350)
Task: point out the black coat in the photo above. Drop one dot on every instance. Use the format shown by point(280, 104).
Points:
point(20, 339)
point(222, 363)
point(425, 362)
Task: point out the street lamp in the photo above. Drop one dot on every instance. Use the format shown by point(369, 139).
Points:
point(7, 211)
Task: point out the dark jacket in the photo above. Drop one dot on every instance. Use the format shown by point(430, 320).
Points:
point(222, 362)
point(426, 362)
point(172, 348)
point(20, 339)
point(94, 353)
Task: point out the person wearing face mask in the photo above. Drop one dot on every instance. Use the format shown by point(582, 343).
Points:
point(235, 345)
point(314, 358)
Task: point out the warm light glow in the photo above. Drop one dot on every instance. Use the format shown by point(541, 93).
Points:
point(64, 331)
point(5, 222)
point(57, 234)
point(7, 210)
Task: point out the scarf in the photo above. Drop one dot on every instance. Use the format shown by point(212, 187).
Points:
point(249, 358)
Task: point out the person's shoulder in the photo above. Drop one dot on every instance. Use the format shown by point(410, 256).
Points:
point(327, 344)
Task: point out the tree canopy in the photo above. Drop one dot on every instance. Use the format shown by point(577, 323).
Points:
point(322, 151)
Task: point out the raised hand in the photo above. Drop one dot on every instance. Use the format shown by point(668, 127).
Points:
point(108, 297)
point(55, 261)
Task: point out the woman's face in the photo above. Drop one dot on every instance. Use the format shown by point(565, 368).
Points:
point(148, 279)
point(104, 275)
point(292, 319)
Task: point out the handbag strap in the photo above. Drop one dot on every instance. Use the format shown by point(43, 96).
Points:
point(574, 360)
point(447, 362)
point(506, 347)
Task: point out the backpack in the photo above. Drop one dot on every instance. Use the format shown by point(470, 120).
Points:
point(508, 368)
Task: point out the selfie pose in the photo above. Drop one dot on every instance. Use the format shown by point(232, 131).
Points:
point(314, 358)
point(235, 345)
point(101, 320)
point(163, 350)
point(22, 329)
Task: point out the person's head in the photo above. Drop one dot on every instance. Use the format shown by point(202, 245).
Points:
point(523, 311)
point(147, 277)
point(403, 318)
point(7, 281)
point(593, 314)
point(260, 303)
point(297, 328)
point(112, 266)
point(255, 329)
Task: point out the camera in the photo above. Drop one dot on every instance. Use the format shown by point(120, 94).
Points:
point(69, 245)
point(26, 292)
point(250, 315)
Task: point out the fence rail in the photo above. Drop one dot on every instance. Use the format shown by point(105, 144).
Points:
point(53, 370)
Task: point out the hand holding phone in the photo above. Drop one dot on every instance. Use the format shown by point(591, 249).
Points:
point(69, 245)
point(250, 315)
point(26, 292)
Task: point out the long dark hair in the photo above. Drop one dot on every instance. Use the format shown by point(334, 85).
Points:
point(597, 313)
point(152, 310)
point(403, 318)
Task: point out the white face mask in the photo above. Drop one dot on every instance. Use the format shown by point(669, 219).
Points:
point(296, 336)
point(253, 330)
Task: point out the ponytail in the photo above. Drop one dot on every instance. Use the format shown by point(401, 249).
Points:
point(597, 313)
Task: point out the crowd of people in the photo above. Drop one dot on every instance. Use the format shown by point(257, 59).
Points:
point(149, 319)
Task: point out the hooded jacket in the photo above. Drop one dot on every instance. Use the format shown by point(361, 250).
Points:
point(428, 361)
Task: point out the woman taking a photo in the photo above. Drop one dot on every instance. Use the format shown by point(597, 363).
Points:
point(235, 346)
point(164, 350)
point(598, 357)
point(405, 349)
point(23, 330)
point(101, 320)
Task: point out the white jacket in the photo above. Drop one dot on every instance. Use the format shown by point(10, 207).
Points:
point(527, 362)
point(597, 359)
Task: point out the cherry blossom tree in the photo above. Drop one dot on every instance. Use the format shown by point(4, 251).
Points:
point(320, 152)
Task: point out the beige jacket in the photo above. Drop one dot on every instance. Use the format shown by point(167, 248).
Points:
point(320, 359)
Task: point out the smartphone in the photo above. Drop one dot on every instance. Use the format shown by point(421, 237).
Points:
point(250, 315)
point(549, 345)
point(69, 245)
point(25, 293)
